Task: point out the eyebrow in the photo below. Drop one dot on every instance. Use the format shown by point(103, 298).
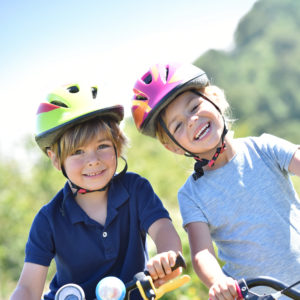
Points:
point(104, 140)
point(190, 98)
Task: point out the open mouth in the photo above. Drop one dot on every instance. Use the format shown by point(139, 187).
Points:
point(202, 132)
point(93, 174)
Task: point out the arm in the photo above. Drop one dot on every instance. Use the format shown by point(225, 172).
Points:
point(206, 265)
point(294, 166)
point(167, 243)
point(31, 283)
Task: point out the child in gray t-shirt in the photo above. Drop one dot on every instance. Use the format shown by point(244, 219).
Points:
point(240, 195)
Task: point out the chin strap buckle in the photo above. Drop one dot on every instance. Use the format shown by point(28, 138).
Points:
point(200, 163)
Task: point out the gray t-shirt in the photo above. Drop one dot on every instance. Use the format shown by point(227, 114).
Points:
point(251, 208)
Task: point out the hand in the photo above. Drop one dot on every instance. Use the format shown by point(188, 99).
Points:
point(224, 288)
point(160, 266)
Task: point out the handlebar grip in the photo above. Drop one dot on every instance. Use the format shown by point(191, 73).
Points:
point(180, 262)
point(171, 285)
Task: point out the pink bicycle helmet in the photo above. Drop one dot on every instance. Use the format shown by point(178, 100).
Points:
point(158, 87)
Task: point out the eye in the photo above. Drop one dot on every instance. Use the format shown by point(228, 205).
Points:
point(177, 127)
point(104, 146)
point(194, 107)
point(78, 152)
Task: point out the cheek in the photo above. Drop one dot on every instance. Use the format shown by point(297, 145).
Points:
point(113, 160)
point(71, 164)
point(109, 158)
point(220, 120)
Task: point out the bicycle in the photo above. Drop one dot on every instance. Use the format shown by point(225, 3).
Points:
point(112, 288)
point(245, 285)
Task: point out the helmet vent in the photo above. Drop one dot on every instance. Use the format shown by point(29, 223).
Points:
point(147, 79)
point(140, 97)
point(167, 73)
point(73, 89)
point(59, 103)
point(94, 92)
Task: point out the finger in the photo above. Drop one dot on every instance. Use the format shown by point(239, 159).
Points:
point(216, 293)
point(211, 295)
point(166, 265)
point(232, 290)
point(159, 269)
point(228, 291)
point(152, 271)
point(172, 258)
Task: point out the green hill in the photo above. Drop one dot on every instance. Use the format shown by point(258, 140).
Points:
point(261, 74)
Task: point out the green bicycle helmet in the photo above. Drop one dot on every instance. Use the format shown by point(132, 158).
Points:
point(66, 106)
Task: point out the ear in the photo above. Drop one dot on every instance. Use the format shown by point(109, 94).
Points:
point(54, 159)
point(174, 149)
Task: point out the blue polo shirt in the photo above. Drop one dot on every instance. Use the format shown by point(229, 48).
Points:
point(84, 250)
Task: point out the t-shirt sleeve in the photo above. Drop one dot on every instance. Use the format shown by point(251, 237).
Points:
point(281, 151)
point(150, 207)
point(189, 209)
point(40, 248)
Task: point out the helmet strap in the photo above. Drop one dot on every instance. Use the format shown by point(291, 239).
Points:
point(200, 162)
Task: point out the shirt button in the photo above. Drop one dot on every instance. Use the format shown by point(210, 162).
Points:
point(104, 234)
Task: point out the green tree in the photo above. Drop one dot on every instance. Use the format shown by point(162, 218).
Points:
point(24, 187)
point(260, 75)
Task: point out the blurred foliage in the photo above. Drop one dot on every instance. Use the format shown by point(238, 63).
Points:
point(22, 193)
point(260, 76)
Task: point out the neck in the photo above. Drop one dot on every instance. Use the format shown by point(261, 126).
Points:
point(92, 197)
point(224, 157)
point(94, 204)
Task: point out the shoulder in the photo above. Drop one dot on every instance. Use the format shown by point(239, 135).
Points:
point(131, 186)
point(133, 180)
point(45, 220)
point(54, 205)
point(274, 150)
point(265, 140)
point(270, 144)
point(188, 190)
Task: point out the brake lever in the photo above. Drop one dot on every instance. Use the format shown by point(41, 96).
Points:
point(244, 291)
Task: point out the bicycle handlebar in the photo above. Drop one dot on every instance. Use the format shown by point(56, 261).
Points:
point(245, 285)
point(144, 283)
point(112, 285)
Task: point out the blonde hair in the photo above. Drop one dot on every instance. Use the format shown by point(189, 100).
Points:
point(216, 95)
point(83, 133)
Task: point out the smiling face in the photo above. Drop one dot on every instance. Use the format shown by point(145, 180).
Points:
point(92, 165)
point(195, 123)
point(86, 153)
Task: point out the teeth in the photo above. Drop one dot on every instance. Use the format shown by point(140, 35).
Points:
point(202, 133)
point(93, 174)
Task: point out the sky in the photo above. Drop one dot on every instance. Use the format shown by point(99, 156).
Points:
point(45, 44)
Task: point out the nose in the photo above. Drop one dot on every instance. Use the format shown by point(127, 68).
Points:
point(93, 158)
point(191, 120)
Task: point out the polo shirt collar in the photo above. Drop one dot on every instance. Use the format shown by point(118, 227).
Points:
point(117, 196)
point(117, 193)
point(72, 209)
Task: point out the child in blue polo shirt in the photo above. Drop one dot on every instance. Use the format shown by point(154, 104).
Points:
point(95, 226)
